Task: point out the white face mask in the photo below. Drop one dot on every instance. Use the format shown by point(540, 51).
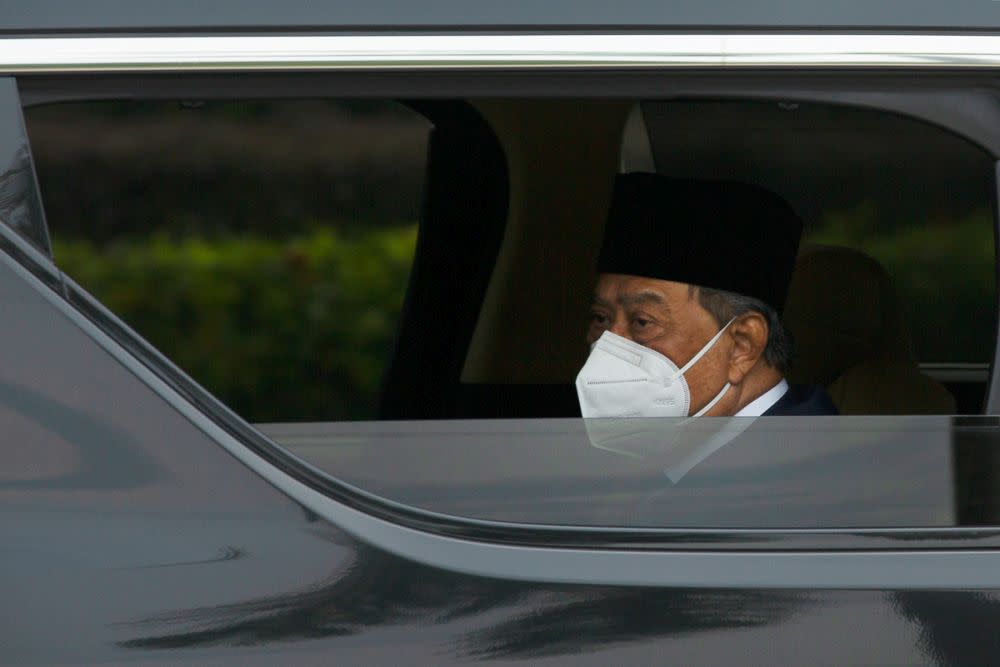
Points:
point(624, 379)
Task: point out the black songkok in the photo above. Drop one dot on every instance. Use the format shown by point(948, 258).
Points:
point(720, 234)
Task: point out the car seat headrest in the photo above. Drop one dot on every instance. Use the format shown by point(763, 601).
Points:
point(889, 388)
point(842, 310)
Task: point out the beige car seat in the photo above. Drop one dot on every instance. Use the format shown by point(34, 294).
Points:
point(850, 337)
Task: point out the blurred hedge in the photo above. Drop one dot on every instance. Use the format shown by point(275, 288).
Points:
point(296, 329)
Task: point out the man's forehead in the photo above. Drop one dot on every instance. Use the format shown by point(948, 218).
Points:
point(625, 289)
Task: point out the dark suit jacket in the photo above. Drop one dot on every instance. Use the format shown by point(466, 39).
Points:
point(802, 400)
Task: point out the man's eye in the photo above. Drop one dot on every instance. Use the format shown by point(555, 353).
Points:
point(599, 319)
point(640, 322)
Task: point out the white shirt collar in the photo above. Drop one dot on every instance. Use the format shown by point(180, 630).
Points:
point(765, 401)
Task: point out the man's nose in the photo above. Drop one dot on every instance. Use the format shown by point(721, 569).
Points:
point(620, 329)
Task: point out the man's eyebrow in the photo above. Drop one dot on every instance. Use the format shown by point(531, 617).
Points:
point(598, 301)
point(643, 296)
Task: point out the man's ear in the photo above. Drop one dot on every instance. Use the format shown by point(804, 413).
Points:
point(749, 334)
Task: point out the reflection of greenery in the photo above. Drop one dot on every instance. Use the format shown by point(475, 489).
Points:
point(943, 271)
point(285, 330)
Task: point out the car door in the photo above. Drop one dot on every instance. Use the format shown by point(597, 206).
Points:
point(146, 519)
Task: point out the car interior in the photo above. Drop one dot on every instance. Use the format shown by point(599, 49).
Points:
point(844, 313)
point(852, 337)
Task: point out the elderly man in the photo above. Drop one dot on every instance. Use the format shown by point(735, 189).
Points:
point(685, 315)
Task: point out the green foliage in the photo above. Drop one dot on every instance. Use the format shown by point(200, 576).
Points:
point(944, 272)
point(289, 330)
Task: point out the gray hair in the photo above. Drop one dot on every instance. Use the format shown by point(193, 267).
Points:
point(723, 306)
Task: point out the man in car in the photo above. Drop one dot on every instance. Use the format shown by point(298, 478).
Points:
point(685, 316)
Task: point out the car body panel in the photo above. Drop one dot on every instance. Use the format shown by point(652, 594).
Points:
point(123, 15)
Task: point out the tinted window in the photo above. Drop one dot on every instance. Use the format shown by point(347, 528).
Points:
point(263, 246)
point(769, 472)
point(275, 276)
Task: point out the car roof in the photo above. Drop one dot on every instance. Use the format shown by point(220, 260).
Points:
point(309, 15)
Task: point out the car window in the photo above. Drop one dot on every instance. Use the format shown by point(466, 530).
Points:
point(270, 249)
point(262, 246)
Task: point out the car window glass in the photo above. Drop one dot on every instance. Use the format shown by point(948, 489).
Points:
point(266, 247)
point(769, 472)
point(263, 246)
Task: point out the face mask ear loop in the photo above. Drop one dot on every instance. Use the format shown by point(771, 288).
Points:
point(706, 348)
point(712, 402)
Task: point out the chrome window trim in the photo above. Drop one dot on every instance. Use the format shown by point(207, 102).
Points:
point(61, 54)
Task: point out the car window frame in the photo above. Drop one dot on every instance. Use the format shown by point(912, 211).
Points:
point(893, 91)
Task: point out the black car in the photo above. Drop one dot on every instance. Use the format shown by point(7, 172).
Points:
point(294, 297)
